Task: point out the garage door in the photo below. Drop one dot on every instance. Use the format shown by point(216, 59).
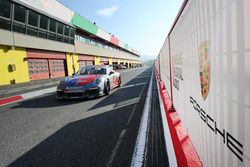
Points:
point(89, 63)
point(57, 68)
point(85, 60)
point(38, 69)
point(83, 63)
point(46, 64)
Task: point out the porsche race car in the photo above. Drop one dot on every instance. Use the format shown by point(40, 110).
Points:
point(89, 81)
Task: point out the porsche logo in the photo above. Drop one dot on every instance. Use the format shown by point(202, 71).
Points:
point(204, 62)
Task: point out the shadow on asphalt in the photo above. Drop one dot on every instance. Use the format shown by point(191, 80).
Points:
point(46, 101)
point(89, 141)
point(127, 92)
point(122, 94)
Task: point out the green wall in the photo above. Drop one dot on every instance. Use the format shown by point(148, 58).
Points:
point(84, 24)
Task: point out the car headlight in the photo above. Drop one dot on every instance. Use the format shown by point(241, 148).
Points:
point(62, 82)
point(98, 81)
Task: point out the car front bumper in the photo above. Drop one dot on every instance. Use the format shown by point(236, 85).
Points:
point(71, 94)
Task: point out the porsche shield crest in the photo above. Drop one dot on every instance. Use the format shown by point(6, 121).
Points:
point(204, 65)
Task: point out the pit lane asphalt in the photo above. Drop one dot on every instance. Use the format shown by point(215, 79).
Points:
point(43, 131)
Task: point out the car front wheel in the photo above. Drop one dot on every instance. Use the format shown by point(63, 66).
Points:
point(106, 88)
point(119, 82)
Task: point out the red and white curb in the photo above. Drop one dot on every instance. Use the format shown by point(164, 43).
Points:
point(16, 98)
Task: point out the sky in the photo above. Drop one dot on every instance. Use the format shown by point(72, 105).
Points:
point(142, 24)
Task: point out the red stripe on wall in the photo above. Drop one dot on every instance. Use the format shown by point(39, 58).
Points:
point(114, 40)
point(185, 152)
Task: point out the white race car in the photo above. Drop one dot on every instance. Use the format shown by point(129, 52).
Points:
point(93, 80)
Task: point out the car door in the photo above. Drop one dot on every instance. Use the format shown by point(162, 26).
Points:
point(112, 78)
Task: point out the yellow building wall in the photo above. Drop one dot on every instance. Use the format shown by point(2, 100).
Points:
point(118, 61)
point(110, 61)
point(72, 62)
point(18, 57)
point(97, 60)
point(129, 63)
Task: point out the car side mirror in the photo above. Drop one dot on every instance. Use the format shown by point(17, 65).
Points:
point(111, 72)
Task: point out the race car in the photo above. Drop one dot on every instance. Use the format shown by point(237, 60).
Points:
point(90, 81)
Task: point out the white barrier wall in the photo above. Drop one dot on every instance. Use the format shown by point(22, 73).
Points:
point(164, 65)
point(210, 53)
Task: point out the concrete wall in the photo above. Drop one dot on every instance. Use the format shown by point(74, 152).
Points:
point(26, 41)
point(20, 40)
point(83, 48)
point(17, 57)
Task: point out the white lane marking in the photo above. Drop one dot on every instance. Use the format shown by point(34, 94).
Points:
point(166, 132)
point(116, 105)
point(127, 102)
point(32, 94)
point(43, 91)
point(118, 143)
point(114, 151)
point(139, 150)
point(38, 93)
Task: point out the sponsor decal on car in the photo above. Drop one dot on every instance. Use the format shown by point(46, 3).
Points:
point(81, 81)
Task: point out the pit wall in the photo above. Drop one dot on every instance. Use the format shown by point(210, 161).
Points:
point(204, 65)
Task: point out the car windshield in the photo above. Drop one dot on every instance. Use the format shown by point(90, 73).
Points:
point(92, 71)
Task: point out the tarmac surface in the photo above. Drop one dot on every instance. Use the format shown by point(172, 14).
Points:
point(43, 131)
